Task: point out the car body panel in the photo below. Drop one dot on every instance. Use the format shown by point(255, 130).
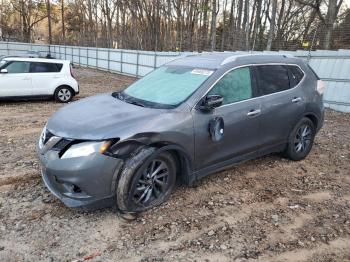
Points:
point(234, 141)
point(184, 129)
point(15, 84)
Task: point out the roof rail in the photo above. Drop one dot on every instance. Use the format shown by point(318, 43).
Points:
point(235, 57)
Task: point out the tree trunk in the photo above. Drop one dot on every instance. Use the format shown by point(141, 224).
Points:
point(63, 25)
point(246, 24)
point(48, 7)
point(330, 20)
point(272, 25)
point(204, 35)
point(213, 26)
point(223, 28)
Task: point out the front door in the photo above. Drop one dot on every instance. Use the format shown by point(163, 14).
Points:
point(240, 113)
point(17, 81)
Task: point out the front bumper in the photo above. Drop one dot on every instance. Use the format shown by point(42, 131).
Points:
point(83, 182)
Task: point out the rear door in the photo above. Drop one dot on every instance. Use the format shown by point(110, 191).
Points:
point(282, 102)
point(45, 76)
point(17, 81)
point(240, 113)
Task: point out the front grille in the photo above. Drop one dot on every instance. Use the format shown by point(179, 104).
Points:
point(61, 145)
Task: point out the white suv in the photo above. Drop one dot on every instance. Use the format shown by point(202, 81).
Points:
point(36, 77)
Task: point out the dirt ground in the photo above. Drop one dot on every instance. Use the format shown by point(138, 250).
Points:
point(269, 209)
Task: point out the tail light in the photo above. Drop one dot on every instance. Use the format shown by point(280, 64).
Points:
point(321, 87)
point(72, 71)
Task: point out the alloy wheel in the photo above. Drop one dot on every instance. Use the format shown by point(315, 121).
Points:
point(303, 138)
point(152, 184)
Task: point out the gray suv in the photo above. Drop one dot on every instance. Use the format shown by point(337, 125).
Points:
point(190, 118)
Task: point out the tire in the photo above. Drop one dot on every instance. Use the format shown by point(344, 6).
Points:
point(64, 94)
point(132, 193)
point(301, 140)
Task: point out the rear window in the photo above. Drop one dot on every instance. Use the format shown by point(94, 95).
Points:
point(36, 67)
point(272, 79)
point(296, 75)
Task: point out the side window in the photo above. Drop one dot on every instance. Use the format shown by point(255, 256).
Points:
point(2, 62)
point(272, 79)
point(36, 67)
point(234, 86)
point(17, 67)
point(296, 75)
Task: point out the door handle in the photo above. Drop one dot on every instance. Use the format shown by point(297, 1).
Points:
point(254, 112)
point(296, 99)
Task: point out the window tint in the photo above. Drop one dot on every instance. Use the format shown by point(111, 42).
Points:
point(296, 75)
point(45, 67)
point(17, 67)
point(234, 86)
point(272, 79)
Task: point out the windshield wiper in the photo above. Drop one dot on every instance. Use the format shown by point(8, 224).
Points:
point(135, 103)
point(127, 99)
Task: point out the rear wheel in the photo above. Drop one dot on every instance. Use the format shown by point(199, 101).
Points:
point(64, 94)
point(147, 180)
point(301, 140)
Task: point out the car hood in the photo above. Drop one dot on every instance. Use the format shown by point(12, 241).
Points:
point(102, 117)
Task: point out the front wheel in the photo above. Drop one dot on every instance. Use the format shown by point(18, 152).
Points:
point(63, 94)
point(146, 180)
point(301, 140)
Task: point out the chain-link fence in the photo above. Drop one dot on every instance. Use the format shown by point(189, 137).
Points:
point(333, 67)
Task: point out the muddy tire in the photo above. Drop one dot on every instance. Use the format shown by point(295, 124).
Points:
point(146, 180)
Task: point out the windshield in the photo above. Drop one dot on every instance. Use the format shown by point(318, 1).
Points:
point(167, 85)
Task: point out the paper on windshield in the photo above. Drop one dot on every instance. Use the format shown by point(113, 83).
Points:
point(204, 72)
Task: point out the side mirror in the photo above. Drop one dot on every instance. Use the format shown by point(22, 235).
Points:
point(211, 102)
point(3, 71)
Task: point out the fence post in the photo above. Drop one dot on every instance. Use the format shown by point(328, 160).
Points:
point(137, 63)
point(108, 60)
point(96, 57)
point(121, 60)
point(59, 51)
point(7, 47)
point(87, 57)
point(155, 60)
point(65, 52)
point(79, 55)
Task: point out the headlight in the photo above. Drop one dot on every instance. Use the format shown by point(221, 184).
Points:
point(42, 137)
point(86, 149)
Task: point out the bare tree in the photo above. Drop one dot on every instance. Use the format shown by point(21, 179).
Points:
point(272, 25)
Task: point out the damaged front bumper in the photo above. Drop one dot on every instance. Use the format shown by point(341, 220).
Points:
point(83, 182)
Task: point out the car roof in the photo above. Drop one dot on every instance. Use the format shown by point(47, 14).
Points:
point(216, 60)
point(41, 60)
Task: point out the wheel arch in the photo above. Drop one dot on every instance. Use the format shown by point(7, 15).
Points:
point(64, 85)
point(183, 160)
point(313, 118)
